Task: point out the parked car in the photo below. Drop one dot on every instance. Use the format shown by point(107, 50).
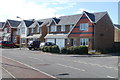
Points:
point(7, 44)
point(42, 44)
point(33, 45)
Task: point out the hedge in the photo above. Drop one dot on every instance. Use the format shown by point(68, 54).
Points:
point(52, 49)
point(75, 50)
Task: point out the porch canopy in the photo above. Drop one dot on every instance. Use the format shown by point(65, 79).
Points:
point(35, 36)
point(7, 35)
point(56, 36)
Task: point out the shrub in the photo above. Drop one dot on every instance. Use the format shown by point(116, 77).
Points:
point(64, 50)
point(52, 49)
point(75, 50)
point(44, 49)
point(83, 50)
point(55, 49)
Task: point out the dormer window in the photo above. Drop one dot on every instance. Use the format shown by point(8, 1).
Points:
point(63, 28)
point(53, 29)
point(84, 26)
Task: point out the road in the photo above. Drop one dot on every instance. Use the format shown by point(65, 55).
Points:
point(59, 65)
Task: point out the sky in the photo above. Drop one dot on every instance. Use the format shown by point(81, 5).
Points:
point(40, 9)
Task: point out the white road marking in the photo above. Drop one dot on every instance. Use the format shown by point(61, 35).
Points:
point(9, 73)
point(93, 64)
point(110, 77)
point(32, 67)
point(71, 67)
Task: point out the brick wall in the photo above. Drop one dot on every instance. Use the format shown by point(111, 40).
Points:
point(104, 33)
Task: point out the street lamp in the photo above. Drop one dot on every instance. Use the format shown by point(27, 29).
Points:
point(20, 30)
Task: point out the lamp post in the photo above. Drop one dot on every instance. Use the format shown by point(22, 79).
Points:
point(20, 30)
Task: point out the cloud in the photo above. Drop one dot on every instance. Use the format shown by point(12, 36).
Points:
point(37, 9)
point(80, 11)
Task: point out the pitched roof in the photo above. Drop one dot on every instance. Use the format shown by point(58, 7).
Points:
point(45, 21)
point(56, 20)
point(91, 16)
point(99, 15)
point(72, 19)
point(118, 26)
point(28, 22)
point(13, 23)
point(39, 22)
point(1, 24)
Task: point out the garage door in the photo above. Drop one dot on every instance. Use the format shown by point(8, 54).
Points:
point(50, 40)
point(60, 42)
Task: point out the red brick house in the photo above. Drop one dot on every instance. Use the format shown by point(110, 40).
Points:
point(38, 30)
point(10, 31)
point(94, 30)
point(1, 32)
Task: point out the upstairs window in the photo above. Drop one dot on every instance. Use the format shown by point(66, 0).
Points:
point(53, 29)
point(23, 30)
point(32, 30)
point(71, 27)
point(63, 28)
point(5, 30)
point(84, 27)
point(38, 29)
point(84, 41)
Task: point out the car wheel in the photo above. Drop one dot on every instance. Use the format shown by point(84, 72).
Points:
point(29, 48)
point(2, 46)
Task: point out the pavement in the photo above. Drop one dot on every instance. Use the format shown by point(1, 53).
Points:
point(66, 66)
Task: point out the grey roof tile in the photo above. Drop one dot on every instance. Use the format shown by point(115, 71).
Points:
point(72, 19)
point(118, 26)
point(45, 21)
point(28, 22)
point(13, 23)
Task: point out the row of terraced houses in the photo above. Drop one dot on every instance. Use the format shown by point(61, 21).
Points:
point(94, 30)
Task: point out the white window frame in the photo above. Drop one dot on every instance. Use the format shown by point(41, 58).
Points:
point(63, 28)
point(23, 30)
point(84, 41)
point(71, 27)
point(53, 28)
point(84, 26)
point(5, 30)
point(32, 30)
point(38, 29)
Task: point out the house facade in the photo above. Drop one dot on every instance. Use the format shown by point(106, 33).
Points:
point(10, 31)
point(117, 33)
point(89, 29)
point(38, 30)
point(23, 30)
point(1, 30)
